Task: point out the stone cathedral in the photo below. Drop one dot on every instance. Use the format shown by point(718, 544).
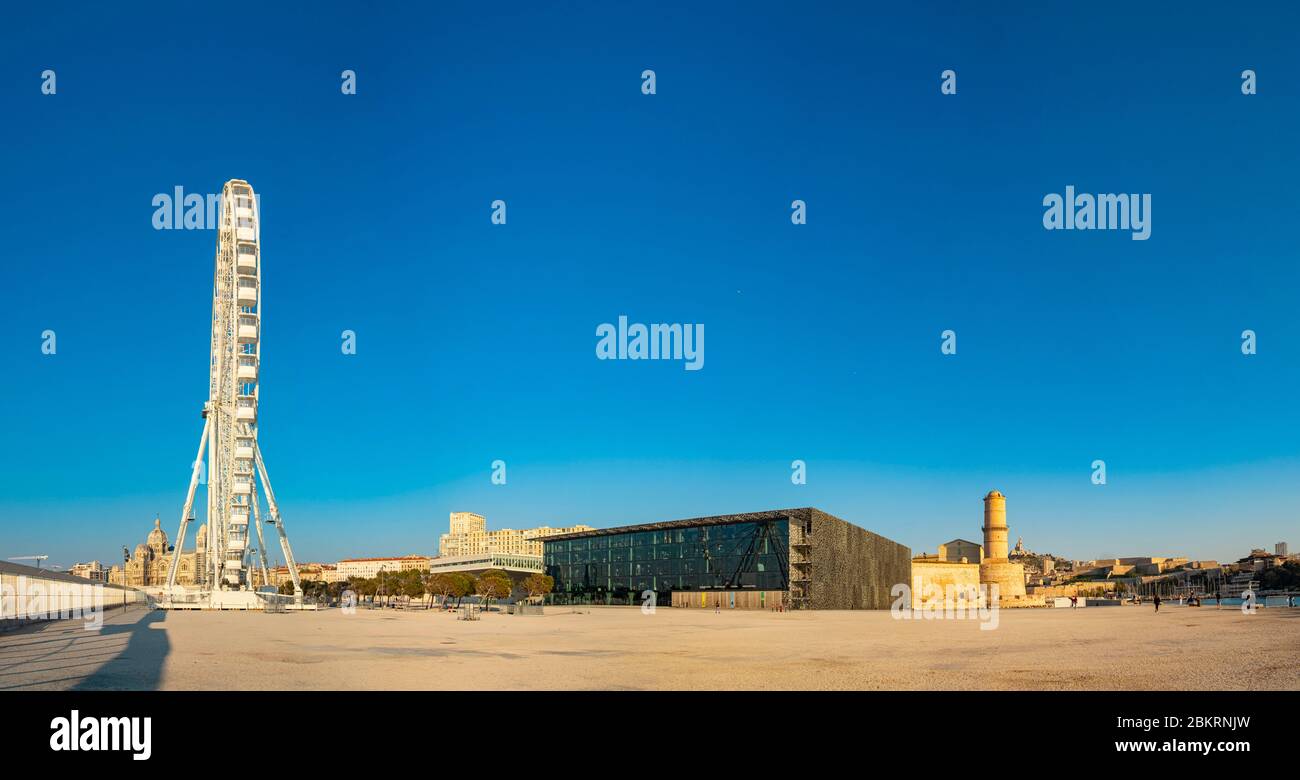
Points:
point(151, 561)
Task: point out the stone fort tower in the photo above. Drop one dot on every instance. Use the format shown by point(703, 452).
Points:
point(995, 525)
point(996, 568)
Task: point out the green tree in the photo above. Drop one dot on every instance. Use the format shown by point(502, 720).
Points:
point(412, 583)
point(464, 585)
point(538, 585)
point(441, 584)
point(432, 585)
point(493, 587)
point(363, 587)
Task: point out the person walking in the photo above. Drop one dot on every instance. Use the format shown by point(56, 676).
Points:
point(1156, 600)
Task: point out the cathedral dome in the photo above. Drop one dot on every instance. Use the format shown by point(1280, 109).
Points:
point(157, 540)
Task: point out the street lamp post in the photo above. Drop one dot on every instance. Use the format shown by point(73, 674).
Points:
point(126, 558)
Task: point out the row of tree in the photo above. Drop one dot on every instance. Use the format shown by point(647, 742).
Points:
point(493, 584)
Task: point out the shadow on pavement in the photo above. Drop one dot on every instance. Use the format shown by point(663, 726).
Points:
point(139, 666)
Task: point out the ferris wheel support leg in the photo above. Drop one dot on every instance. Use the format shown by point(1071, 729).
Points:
point(261, 542)
point(189, 505)
point(279, 524)
point(215, 552)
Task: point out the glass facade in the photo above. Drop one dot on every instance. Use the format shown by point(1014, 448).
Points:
point(617, 568)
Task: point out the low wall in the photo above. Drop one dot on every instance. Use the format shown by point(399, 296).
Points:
point(29, 595)
point(1009, 577)
point(1080, 589)
point(936, 583)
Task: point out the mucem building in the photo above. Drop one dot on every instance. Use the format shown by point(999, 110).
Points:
point(788, 558)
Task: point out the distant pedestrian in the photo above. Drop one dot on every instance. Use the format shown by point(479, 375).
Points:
point(1156, 600)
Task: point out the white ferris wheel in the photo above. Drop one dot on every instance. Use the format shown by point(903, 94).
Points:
point(234, 457)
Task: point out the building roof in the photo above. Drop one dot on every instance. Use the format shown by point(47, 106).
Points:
point(496, 560)
point(19, 570)
point(800, 513)
point(387, 558)
point(936, 560)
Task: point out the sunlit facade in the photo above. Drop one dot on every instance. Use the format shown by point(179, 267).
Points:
point(468, 535)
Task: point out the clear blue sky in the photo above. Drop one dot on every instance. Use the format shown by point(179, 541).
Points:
point(477, 342)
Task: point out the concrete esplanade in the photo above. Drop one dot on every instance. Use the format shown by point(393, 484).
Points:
point(997, 568)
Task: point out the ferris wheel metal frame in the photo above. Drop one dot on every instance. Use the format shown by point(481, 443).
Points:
point(235, 465)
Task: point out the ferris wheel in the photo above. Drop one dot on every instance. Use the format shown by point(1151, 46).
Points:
point(234, 458)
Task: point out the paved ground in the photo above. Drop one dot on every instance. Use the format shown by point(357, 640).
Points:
point(620, 648)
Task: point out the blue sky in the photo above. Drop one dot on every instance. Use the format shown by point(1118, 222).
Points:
point(476, 342)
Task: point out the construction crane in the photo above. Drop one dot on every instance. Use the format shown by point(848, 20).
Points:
point(37, 558)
